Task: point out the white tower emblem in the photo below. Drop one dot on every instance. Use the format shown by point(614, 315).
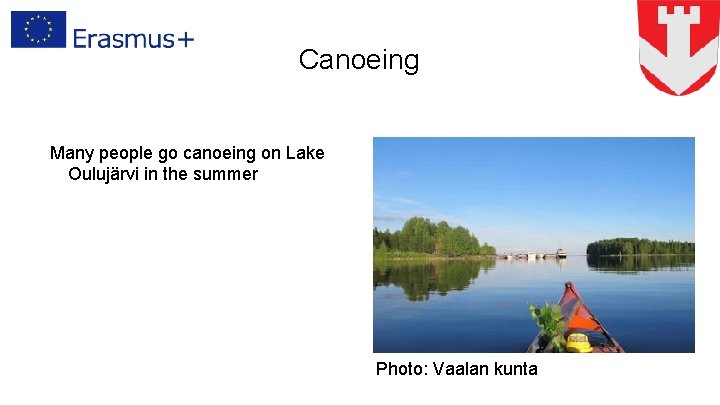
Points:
point(680, 69)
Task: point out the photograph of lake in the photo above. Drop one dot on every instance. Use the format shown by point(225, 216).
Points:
point(513, 245)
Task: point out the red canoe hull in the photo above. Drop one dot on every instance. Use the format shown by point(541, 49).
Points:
point(578, 318)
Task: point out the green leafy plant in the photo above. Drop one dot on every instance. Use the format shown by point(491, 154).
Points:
point(552, 327)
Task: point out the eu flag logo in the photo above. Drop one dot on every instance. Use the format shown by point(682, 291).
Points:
point(37, 29)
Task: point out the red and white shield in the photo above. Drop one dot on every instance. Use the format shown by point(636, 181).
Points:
point(678, 43)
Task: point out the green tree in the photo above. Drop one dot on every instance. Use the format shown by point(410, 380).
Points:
point(629, 246)
point(420, 235)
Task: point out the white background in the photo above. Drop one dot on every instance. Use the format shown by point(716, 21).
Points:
point(259, 292)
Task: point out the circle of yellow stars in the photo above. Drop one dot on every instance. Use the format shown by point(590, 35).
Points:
point(41, 20)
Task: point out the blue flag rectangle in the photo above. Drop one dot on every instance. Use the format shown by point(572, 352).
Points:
point(38, 29)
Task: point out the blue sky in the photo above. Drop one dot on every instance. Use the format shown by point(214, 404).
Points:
point(538, 194)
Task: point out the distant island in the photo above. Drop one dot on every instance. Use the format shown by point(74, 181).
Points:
point(420, 237)
point(636, 246)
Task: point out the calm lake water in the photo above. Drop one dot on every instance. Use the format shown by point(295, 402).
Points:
point(646, 303)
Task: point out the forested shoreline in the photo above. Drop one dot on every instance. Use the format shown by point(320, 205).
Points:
point(423, 237)
point(636, 246)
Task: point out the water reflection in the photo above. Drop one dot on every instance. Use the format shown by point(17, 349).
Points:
point(640, 263)
point(419, 280)
point(560, 263)
point(486, 304)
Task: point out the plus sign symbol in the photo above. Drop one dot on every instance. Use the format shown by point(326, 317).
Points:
point(678, 43)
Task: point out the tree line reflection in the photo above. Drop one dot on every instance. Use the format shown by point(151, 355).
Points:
point(639, 263)
point(419, 280)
